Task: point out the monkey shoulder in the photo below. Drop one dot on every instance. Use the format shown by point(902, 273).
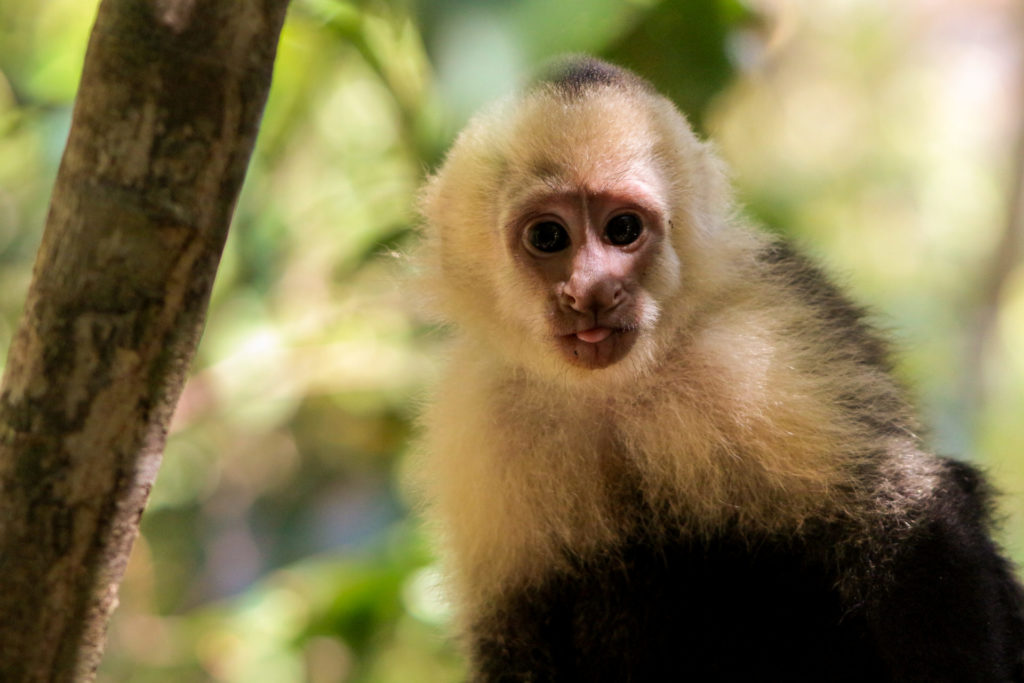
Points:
point(784, 268)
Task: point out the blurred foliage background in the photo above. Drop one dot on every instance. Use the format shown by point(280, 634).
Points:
point(277, 546)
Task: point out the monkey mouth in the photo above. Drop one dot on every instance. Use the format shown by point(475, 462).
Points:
point(597, 347)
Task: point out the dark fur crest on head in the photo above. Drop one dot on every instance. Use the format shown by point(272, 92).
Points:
point(575, 74)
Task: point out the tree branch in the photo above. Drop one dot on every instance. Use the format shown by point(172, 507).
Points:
point(167, 114)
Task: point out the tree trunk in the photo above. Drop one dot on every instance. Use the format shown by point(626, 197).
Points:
point(165, 120)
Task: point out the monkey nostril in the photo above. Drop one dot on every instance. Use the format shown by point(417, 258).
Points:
point(618, 294)
point(572, 298)
point(610, 297)
point(581, 305)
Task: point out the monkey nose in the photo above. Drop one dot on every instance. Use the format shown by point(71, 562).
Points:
point(597, 298)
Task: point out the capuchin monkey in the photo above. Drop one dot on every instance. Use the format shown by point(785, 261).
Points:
point(666, 447)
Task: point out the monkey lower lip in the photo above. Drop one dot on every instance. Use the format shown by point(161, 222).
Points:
point(594, 334)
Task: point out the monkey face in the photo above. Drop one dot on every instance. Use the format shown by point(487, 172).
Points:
point(587, 252)
point(562, 228)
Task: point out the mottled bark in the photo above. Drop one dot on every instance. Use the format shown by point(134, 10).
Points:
point(164, 124)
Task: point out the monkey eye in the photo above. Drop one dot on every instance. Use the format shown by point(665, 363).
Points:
point(624, 229)
point(547, 237)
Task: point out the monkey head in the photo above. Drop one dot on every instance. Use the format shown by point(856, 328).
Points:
point(566, 219)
